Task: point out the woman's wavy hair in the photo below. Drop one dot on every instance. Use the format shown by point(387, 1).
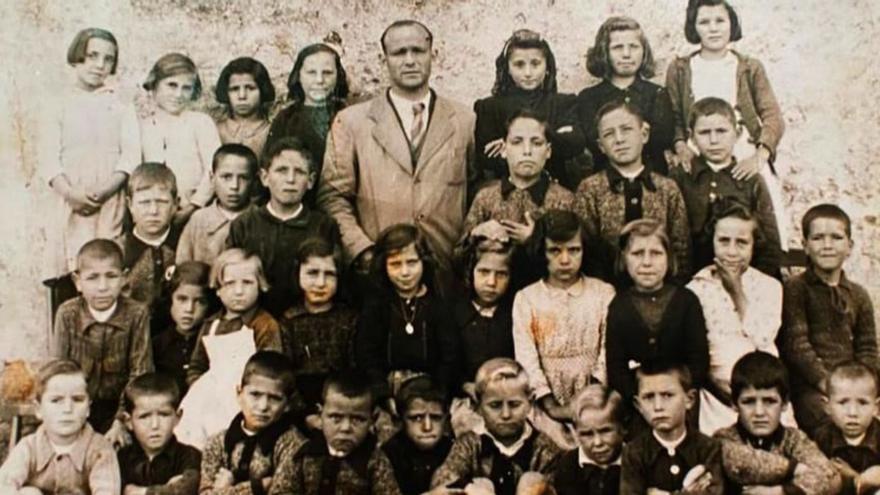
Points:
point(523, 39)
point(295, 91)
point(172, 64)
point(598, 59)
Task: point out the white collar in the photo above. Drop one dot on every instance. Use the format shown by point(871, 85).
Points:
point(155, 243)
point(246, 431)
point(630, 175)
point(855, 442)
point(281, 217)
point(334, 453)
point(511, 450)
point(103, 316)
point(717, 167)
point(400, 102)
point(485, 311)
point(670, 446)
point(584, 460)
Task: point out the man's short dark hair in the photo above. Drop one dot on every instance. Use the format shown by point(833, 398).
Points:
point(759, 370)
point(404, 23)
point(151, 384)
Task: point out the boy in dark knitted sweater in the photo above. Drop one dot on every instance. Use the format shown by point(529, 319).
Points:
point(852, 438)
point(156, 463)
point(148, 250)
point(594, 467)
point(713, 181)
point(422, 445)
point(508, 445)
point(246, 458)
point(344, 458)
point(671, 458)
point(758, 452)
point(275, 231)
point(826, 318)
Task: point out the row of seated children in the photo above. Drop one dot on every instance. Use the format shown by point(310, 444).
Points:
point(262, 451)
point(432, 348)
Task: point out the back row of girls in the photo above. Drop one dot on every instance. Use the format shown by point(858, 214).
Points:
point(95, 139)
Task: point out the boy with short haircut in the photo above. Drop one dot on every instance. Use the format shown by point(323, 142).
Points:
point(826, 318)
point(508, 445)
point(422, 445)
point(247, 457)
point(148, 250)
point(104, 332)
point(64, 455)
point(594, 467)
point(506, 209)
point(671, 458)
point(275, 231)
point(852, 438)
point(712, 181)
point(344, 458)
point(156, 463)
point(758, 452)
point(627, 191)
point(204, 237)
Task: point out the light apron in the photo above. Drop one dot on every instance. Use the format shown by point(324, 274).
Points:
point(211, 402)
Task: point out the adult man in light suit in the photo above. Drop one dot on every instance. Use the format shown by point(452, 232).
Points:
point(401, 157)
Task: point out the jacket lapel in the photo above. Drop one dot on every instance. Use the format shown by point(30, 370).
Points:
point(388, 134)
point(440, 130)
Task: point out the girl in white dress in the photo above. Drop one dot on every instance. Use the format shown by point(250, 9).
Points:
point(89, 142)
point(743, 311)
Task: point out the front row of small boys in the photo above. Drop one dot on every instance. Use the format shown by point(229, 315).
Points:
point(262, 452)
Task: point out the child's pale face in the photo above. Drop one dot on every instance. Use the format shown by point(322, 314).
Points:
point(759, 410)
point(424, 423)
point(828, 245)
point(491, 278)
point(504, 406)
point(287, 178)
point(405, 269)
point(152, 209)
point(646, 262)
point(599, 435)
point(262, 401)
point(318, 77)
point(239, 288)
point(318, 280)
point(152, 421)
point(852, 404)
point(64, 407)
point(244, 95)
point(232, 182)
point(713, 26)
point(664, 403)
point(526, 149)
point(346, 421)
point(527, 67)
point(715, 136)
point(621, 137)
point(100, 281)
point(174, 93)
point(625, 52)
point(564, 260)
point(733, 243)
point(96, 65)
point(189, 303)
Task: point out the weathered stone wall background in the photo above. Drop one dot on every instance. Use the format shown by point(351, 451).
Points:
point(821, 57)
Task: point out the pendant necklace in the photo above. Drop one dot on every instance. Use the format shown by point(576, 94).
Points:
point(409, 328)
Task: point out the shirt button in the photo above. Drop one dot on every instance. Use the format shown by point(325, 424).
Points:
point(634, 201)
point(713, 184)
